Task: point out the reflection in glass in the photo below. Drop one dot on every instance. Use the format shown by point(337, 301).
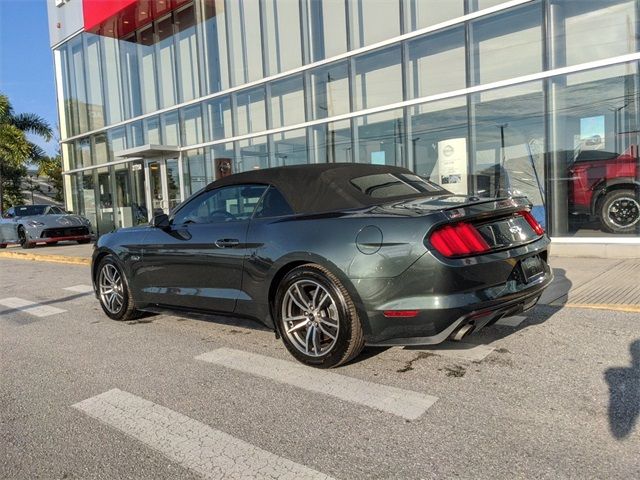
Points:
point(245, 41)
point(215, 45)
point(219, 123)
point(224, 160)
point(192, 125)
point(171, 128)
point(378, 78)
point(173, 183)
point(100, 151)
point(381, 138)
point(290, 148)
point(197, 171)
point(373, 21)
point(287, 102)
point(330, 90)
point(110, 60)
point(284, 44)
point(437, 63)
point(507, 44)
point(332, 142)
point(130, 76)
point(152, 128)
point(328, 28)
point(251, 115)
point(439, 139)
point(424, 13)
point(147, 65)
point(166, 62)
point(187, 47)
point(105, 212)
point(254, 154)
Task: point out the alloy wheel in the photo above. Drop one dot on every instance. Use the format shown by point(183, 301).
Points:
point(111, 288)
point(310, 318)
point(624, 212)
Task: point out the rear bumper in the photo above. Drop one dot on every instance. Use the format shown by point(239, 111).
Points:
point(450, 294)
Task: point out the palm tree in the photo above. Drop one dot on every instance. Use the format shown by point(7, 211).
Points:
point(15, 148)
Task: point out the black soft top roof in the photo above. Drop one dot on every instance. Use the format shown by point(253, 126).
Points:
point(315, 188)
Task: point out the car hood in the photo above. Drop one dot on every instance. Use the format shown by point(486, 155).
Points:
point(65, 220)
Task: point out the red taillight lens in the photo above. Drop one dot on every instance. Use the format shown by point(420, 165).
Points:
point(531, 220)
point(458, 240)
point(401, 313)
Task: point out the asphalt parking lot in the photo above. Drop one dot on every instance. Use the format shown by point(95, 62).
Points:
point(555, 394)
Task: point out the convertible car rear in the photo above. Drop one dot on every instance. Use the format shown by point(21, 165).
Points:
point(332, 257)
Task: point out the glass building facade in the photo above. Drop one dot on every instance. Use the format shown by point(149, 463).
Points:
point(485, 97)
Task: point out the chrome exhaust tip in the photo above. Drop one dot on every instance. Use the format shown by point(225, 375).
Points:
point(462, 332)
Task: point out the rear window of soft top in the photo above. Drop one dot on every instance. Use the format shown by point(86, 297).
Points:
point(389, 185)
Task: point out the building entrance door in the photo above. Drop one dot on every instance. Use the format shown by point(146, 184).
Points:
point(164, 185)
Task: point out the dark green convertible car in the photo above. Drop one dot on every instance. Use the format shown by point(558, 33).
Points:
point(331, 257)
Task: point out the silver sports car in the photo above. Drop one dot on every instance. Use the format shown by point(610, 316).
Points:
point(32, 224)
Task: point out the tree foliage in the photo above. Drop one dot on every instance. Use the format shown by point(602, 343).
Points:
point(16, 150)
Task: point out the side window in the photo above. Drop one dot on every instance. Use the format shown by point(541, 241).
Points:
point(273, 204)
point(55, 211)
point(10, 213)
point(226, 204)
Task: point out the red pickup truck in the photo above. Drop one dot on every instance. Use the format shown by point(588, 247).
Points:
point(607, 186)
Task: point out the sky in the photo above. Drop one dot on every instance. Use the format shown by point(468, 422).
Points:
point(26, 62)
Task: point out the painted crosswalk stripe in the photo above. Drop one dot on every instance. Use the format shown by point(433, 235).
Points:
point(511, 321)
point(404, 403)
point(80, 288)
point(464, 351)
point(32, 308)
point(188, 442)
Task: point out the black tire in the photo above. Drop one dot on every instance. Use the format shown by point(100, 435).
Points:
point(620, 211)
point(3, 245)
point(349, 340)
point(127, 310)
point(52, 243)
point(83, 242)
point(24, 238)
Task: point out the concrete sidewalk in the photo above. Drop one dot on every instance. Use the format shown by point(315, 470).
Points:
point(611, 284)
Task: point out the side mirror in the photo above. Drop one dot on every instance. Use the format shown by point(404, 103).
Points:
point(160, 221)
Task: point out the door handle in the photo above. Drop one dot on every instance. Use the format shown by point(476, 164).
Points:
point(227, 242)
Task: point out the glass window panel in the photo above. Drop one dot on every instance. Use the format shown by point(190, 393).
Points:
point(215, 45)
point(89, 198)
point(111, 64)
point(437, 63)
point(219, 118)
point(187, 45)
point(378, 78)
point(282, 26)
point(290, 148)
point(245, 40)
point(251, 115)
point(78, 89)
point(152, 127)
point(287, 102)
point(332, 142)
point(224, 160)
point(83, 152)
point(118, 139)
point(373, 21)
point(381, 138)
point(438, 141)
point(330, 90)
point(508, 144)
point(166, 62)
point(424, 13)
point(587, 31)
point(105, 212)
point(94, 83)
point(101, 151)
point(192, 125)
point(508, 44)
point(147, 65)
point(475, 5)
point(135, 131)
point(130, 76)
point(197, 170)
point(595, 136)
point(328, 28)
point(254, 154)
point(171, 128)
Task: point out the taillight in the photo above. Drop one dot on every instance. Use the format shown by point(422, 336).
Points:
point(531, 220)
point(458, 240)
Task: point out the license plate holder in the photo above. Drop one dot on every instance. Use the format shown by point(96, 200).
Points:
point(532, 268)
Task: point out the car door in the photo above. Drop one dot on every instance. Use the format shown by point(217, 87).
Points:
point(197, 262)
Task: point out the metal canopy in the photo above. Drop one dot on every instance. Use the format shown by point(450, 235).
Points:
point(148, 151)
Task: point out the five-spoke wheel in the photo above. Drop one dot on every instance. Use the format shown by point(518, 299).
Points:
point(317, 318)
point(620, 211)
point(113, 291)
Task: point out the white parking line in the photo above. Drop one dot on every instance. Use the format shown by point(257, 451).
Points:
point(511, 321)
point(464, 351)
point(404, 403)
point(80, 288)
point(188, 442)
point(30, 307)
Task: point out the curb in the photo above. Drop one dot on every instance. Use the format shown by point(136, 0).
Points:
point(46, 258)
point(604, 306)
